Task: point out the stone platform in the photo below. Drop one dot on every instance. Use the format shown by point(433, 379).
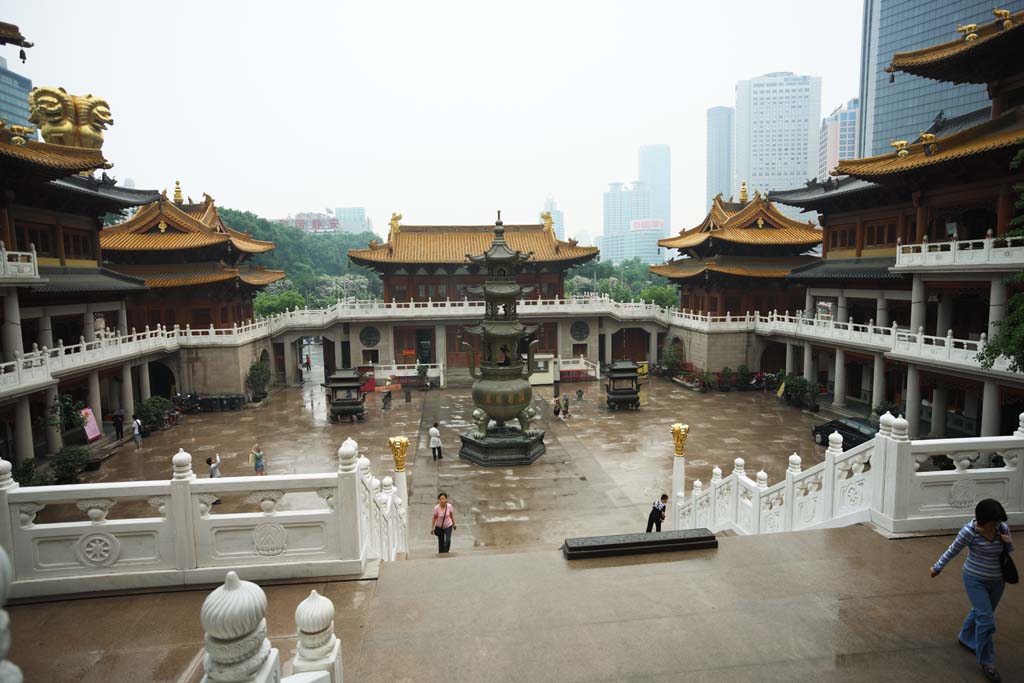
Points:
point(502, 447)
point(830, 605)
point(621, 545)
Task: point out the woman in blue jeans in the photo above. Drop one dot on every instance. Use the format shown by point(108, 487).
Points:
point(985, 537)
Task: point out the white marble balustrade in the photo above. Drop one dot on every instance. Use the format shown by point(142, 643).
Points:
point(998, 252)
point(881, 481)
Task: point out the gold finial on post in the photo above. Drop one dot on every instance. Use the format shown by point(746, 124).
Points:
point(679, 433)
point(395, 223)
point(743, 192)
point(399, 445)
point(177, 192)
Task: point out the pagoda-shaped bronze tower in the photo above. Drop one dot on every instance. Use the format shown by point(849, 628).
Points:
point(502, 391)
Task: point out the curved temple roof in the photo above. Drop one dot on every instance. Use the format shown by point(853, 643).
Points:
point(756, 222)
point(743, 266)
point(190, 274)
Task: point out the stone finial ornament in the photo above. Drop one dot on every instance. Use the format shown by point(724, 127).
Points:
point(314, 620)
point(794, 464)
point(679, 434)
point(762, 480)
point(716, 474)
point(739, 467)
point(234, 618)
point(348, 456)
point(900, 429)
point(182, 463)
point(6, 480)
point(399, 445)
point(885, 424)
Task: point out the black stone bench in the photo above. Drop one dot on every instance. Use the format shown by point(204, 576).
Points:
point(637, 544)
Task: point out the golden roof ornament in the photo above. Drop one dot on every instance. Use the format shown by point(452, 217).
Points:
point(901, 148)
point(760, 222)
point(395, 223)
point(928, 144)
point(399, 445)
point(549, 222)
point(162, 227)
point(968, 31)
point(679, 434)
point(1003, 15)
point(71, 120)
point(178, 199)
point(743, 192)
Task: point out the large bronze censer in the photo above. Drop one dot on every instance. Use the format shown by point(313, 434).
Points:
point(502, 392)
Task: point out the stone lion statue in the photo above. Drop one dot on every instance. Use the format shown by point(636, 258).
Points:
point(71, 120)
point(525, 418)
point(481, 419)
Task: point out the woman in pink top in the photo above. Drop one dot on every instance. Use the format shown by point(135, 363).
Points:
point(443, 522)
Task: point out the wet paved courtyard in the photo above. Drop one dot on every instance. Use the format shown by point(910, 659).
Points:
point(600, 474)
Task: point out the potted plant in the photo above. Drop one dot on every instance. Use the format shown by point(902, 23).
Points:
point(709, 381)
point(797, 391)
point(725, 379)
point(258, 379)
point(66, 414)
point(743, 379)
point(68, 463)
point(421, 377)
point(153, 413)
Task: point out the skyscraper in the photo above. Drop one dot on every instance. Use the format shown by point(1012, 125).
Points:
point(353, 219)
point(557, 216)
point(629, 229)
point(655, 163)
point(838, 139)
point(901, 109)
point(14, 90)
point(776, 132)
point(719, 160)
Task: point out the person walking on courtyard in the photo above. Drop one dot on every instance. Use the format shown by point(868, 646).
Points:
point(309, 363)
point(257, 458)
point(137, 431)
point(119, 423)
point(657, 514)
point(214, 465)
point(985, 537)
point(435, 442)
point(565, 405)
point(442, 523)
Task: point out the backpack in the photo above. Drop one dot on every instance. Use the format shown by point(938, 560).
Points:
point(558, 408)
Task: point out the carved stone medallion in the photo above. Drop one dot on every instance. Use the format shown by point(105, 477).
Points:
point(580, 330)
point(269, 539)
point(98, 550)
point(369, 336)
point(963, 494)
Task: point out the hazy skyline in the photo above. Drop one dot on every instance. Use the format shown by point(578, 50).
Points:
point(443, 112)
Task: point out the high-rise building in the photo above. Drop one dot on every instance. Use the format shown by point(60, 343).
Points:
point(838, 139)
point(353, 219)
point(655, 163)
point(901, 106)
point(628, 230)
point(623, 205)
point(312, 221)
point(719, 161)
point(14, 90)
point(557, 216)
point(776, 132)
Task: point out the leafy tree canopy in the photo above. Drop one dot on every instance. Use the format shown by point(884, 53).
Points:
point(624, 281)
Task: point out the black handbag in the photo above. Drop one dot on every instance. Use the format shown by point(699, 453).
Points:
point(1010, 574)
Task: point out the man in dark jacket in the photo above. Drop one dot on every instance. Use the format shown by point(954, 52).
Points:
point(657, 515)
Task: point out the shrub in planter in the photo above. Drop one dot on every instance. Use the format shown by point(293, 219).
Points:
point(68, 463)
point(27, 474)
point(883, 406)
point(709, 380)
point(66, 413)
point(797, 391)
point(258, 378)
point(743, 374)
point(152, 412)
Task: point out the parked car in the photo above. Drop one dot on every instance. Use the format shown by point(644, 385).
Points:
point(855, 431)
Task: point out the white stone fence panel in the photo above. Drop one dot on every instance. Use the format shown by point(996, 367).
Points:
point(890, 481)
point(186, 540)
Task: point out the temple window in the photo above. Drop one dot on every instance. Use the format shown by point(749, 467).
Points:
point(38, 234)
point(78, 245)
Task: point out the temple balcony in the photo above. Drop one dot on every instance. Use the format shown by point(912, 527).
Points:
point(991, 253)
point(18, 265)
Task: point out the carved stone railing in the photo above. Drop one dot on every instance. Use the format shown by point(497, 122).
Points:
point(18, 264)
point(999, 252)
point(884, 481)
point(186, 539)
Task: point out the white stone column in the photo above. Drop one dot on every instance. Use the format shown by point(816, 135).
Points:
point(652, 348)
point(996, 304)
point(944, 314)
point(144, 391)
point(940, 401)
point(122, 320)
point(387, 345)
point(54, 440)
point(127, 395)
point(290, 362)
point(841, 308)
point(878, 380)
point(790, 352)
point(607, 357)
point(441, 345)
point(917, 311)
point(24, 449)
point(839, 394)
point(336, 339)
point(46, 330)
point(348, 503)
point(88, 324)
point(913, 400)
point(11, 333)
point(94, 398)
point(809, 304)
point(809, 362)
point(990, 409)
point(882, 312)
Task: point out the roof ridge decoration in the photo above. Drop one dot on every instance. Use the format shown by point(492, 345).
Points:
point(69, 120)
point(759, 214)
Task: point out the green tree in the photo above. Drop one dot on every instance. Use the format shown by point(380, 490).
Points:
point(661, 295)
point(271, 304)
point(625, 281)
point(1008, 340)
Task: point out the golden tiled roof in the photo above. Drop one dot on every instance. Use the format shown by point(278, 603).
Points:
point(745, 266)
point(192, 274)
point(164, 226)
point(206, 212)
point(53, 161)
point(451, 243)
point(1004, 131)
point(991, 54)
point(756, 222)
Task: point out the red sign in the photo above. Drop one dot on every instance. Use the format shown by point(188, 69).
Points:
point(92, 429)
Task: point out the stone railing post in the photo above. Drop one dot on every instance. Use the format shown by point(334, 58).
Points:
point(880, 463)
point(739, 471)
point(348, 507)
point(318, 648)
point(234, 618)
point(828, 476)
point(755, 501)
point(7, 484)
point(904, 468)
point(789, 503)
point(716, 479)
point(9, 673)
point(180, 514)
point(679, 434)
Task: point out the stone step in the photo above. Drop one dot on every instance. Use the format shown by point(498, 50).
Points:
point(637, 544)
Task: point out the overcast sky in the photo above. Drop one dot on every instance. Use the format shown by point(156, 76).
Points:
point(444, 111)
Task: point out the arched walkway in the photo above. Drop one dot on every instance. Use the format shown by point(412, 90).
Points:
point(773, 358)
point(162, 381)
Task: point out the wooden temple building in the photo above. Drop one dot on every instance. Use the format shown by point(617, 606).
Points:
point(913, 237)
point(737, 259)
point(420, 263)
point(197, 268)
